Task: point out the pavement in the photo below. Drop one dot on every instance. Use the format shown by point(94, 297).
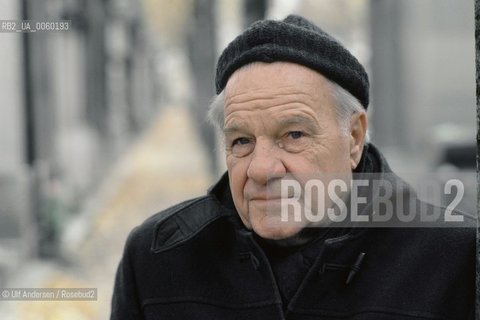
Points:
point(166, 165)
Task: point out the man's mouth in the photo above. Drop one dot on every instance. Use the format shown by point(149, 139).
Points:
point(268, 198)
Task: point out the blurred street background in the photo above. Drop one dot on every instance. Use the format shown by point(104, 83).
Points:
point(104, 124)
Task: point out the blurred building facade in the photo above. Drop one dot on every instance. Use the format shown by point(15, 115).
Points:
point(72, 102)
point(423, 74)
point(423, 91)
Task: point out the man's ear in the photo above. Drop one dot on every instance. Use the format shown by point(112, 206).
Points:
point(358, 130)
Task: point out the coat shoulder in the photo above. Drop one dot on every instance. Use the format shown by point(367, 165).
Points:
point(177, 224)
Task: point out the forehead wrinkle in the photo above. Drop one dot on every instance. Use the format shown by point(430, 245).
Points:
point(266, 112)
point(269, 106)
point(262, 95)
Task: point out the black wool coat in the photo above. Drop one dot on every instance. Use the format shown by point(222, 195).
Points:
point(196, 261)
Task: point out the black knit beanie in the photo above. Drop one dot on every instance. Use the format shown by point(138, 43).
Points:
point(297, 40)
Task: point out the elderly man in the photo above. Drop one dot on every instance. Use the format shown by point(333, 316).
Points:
point(291, 104)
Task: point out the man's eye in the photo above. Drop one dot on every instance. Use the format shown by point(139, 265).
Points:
point(296, 134)
point(240, 141)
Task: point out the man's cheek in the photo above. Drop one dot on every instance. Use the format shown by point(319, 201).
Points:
point(245, 215)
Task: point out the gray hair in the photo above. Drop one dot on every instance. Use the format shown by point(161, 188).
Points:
point(346, 106)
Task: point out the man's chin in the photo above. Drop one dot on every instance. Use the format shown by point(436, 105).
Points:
point(274, 229)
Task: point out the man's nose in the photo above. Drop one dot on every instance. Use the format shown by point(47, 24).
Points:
point(265, 163)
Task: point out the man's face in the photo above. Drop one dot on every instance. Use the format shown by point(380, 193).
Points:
point(279, 119)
